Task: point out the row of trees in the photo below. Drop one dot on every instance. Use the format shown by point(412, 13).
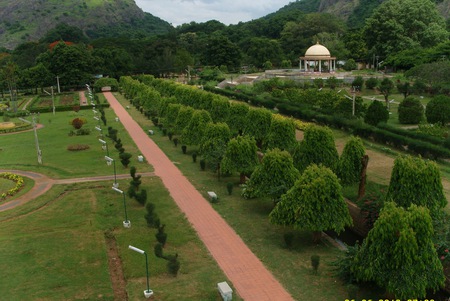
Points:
point(307, 192)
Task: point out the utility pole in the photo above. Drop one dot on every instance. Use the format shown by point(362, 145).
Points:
point(57, 82)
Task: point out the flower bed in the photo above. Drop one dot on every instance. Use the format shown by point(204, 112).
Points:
point(13, 177)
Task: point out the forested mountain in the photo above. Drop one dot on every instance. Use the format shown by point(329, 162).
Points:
point(353, 11)
point(29, 20)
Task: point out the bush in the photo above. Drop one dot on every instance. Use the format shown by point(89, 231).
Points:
point(77, 147)
point(141, 197)
point(410, 111)
point(173, 266)
point(202, 164)
point(158, 249)
point(184, 149)
point(376, 113)
point(194, 157)
point(358, 83)
point(161, 236)
point(350, 65)
point(230, 186)
point(125, 159)
point(77, 123)
point(151, 217)
point(175, 142)
point(438, 110)
point(315, 261)
point(372, 83)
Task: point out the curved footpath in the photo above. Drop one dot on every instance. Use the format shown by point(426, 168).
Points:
point(249, 276)
point(42, 184)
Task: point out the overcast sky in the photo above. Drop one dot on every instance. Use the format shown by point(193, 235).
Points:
point(228, 12)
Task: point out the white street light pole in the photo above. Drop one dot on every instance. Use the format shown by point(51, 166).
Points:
point(38, 150)
point(53, 99)
point(110, 160)
point(148, 292)
point(126, 222)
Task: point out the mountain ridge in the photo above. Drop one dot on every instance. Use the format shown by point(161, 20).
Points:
point(29, 20)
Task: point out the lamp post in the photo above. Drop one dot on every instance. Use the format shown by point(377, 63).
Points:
point(110, 160)
point(97, 127)
point(53, 99)
point(36, 140)
point(148, 292)
point(126, 222)
point(104, 146)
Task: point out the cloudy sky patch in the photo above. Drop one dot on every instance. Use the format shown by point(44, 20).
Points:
point(228, 12)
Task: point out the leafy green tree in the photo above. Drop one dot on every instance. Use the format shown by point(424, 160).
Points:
point(358, 83)
point(404, 88)
point(72, 63)
point(350, 165)
point(438, 110)
point(275, 176)
point(192, 134)
point(317, 147)
point(171, 114)
point(398, 254)
point(397, 25)
point(410, 111)
point(372, 83)
point(214, 143)
point(183, 118)
point(125, 159)
point(240, 156)
point(281, 134)
point(433, 74)
point(260, 49)
point(219, 50)
point(237, 118)
point(64, 32)
point(314, 203)
point(258, 124)
point(376, 113)
point(220, 109)
point(386, 87)
point(416, 181)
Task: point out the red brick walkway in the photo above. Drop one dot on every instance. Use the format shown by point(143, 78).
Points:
point(249, 276)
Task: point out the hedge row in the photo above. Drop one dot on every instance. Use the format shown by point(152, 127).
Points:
point(377, 134)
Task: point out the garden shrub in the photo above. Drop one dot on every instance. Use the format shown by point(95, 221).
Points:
point(77, 123)
point(376, 113)
point(173, 266)
point(372, 83)
point(438, 110)
point(410, 111)
point(77, 147)
point(315, 261)
point(161, 236)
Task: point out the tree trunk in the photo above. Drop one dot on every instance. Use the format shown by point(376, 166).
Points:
point(363, 177)
point(242, 178)
point(317, 236)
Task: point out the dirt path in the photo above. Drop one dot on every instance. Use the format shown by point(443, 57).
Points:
point(249, 276)
point(83, 99)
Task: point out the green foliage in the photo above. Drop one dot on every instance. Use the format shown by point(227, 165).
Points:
point(183, 118)
point(410, 111)
point(193, 133)
point(220, 109)
point(376, 113)
point(173, 265)
point(106, 82)
point(315, 203)
point(288, 238)
point(398, 25)
point(240, 156)
point(230, 186)
point(161, 236)
point(125, 159)
point(317, 147)
point(237, 118)
point(416, 181)
point(141, 196)
point(158, 250)
point(343, 265)
point(258, 123)
point(372, 83)
point(386, 87)
point(151, 216)
point(315, 262)
point(350, 65)
point(358, 83)
point(214, 142)
point(438, 110)
point(281, 134)
point(275, 176)
point(400, 248)
point(349, 165)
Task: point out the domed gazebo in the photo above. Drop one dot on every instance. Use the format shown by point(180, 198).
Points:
point(314, 57)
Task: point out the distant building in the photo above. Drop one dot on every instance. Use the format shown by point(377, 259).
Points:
point(318, 59)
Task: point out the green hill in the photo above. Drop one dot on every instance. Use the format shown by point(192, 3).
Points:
point(29, 20)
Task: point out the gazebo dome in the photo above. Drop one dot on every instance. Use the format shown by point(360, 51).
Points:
point(317, 51)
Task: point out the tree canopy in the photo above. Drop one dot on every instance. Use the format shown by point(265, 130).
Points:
point(399, 255)
point(241, 156)
point(275, 175)
point(315, 203)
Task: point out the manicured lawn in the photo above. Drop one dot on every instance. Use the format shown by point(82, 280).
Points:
point(19, 150)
